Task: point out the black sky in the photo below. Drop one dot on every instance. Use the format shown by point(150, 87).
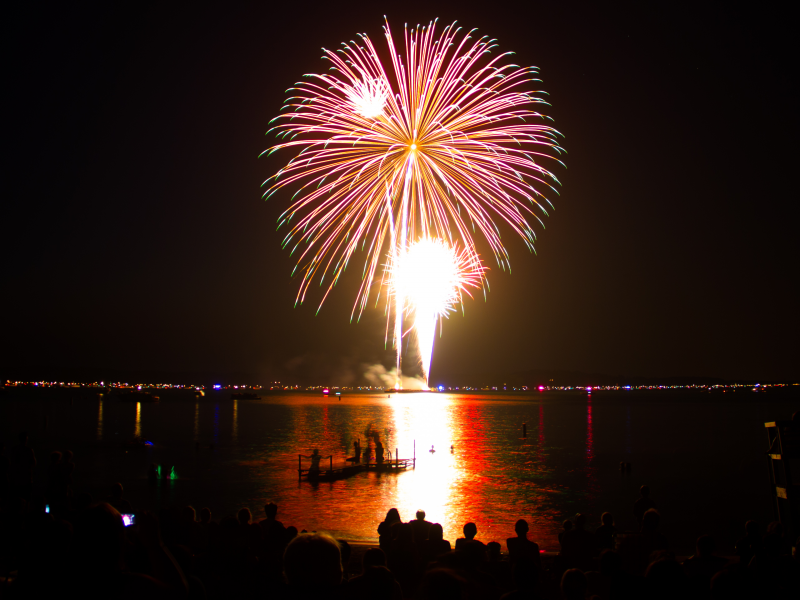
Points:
point(134, 236)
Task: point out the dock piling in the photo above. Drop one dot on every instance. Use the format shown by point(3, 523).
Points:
point(524, 430)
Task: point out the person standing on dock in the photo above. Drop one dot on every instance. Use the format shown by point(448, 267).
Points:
point(315, 458)
point(378, 450)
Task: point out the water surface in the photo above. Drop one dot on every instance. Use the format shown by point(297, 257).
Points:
point(702, 454)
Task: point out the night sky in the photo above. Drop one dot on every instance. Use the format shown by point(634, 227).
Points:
point(135, 240)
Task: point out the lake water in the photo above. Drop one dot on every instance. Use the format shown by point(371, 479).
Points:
point(702, 453)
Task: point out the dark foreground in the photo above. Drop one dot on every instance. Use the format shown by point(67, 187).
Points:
point(61, 542)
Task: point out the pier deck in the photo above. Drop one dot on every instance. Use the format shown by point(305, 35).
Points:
point(348, 470)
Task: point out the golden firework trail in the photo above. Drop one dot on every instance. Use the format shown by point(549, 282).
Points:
point(440, 142)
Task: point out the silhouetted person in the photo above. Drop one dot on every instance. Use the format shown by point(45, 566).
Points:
point(750, 544)
point(315, 457)
point(665, 580)
point(470, 531)
point(192, 534)
point(573, 585)
point(610, 581)
point(312, 565)
point(643, 504)
point(731, 584)
point(435, 545)
point(23, 462)
point(526, 580)
point(100, 570)
point(375, 581)
point(403, 557)
point(578, 545)
point(378, 449)
point(420, 527)
point(701, 567)
point(521, 547)
point(565, 527)
point(249, 533)
point(384, 529)
point(273, 530)
point(117, 501)
point(652, 539)
point(772, 571)
point(604, 535)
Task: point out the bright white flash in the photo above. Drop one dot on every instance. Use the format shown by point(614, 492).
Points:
point(430, 276)
point(368, 97)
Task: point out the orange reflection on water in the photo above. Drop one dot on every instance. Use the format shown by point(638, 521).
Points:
point(100, 421)
point(427, 422)
point(235, 433)
point(138, 428)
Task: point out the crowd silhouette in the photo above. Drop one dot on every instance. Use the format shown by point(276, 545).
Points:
point(60, 542)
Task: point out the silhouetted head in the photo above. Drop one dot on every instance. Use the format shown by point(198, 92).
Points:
point(493, 551)
point(205, 515)
point(607, 519)
point(644, 491)
point(436, 532)
point(271, 509)
point(374, 557)
point(521, 527)
point(244, 515)
point(55, 457)
point(610, 562)
point(650, 520)
point(392, 516)
point(315, 452)
point(753, 529)
point(573, 585)
point(470, 530)
point(730, 584)
point(705, 546)
point(420, 515)
point(313, 560)
point(666, 579)
point(188, 514)
point(345, 551)
point(291, 532)
point(580, 521)
point(567, 525)
point(116, 490)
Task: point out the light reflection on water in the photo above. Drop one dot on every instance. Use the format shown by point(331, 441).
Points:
point(100, 421)
point(494, 476)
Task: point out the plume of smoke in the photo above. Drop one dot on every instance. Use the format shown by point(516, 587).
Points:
point(378, 375)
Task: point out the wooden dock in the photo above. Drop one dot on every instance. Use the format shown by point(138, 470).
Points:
point(348, 470)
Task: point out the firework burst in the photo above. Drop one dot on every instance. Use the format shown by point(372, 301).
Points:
point(444, 143)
